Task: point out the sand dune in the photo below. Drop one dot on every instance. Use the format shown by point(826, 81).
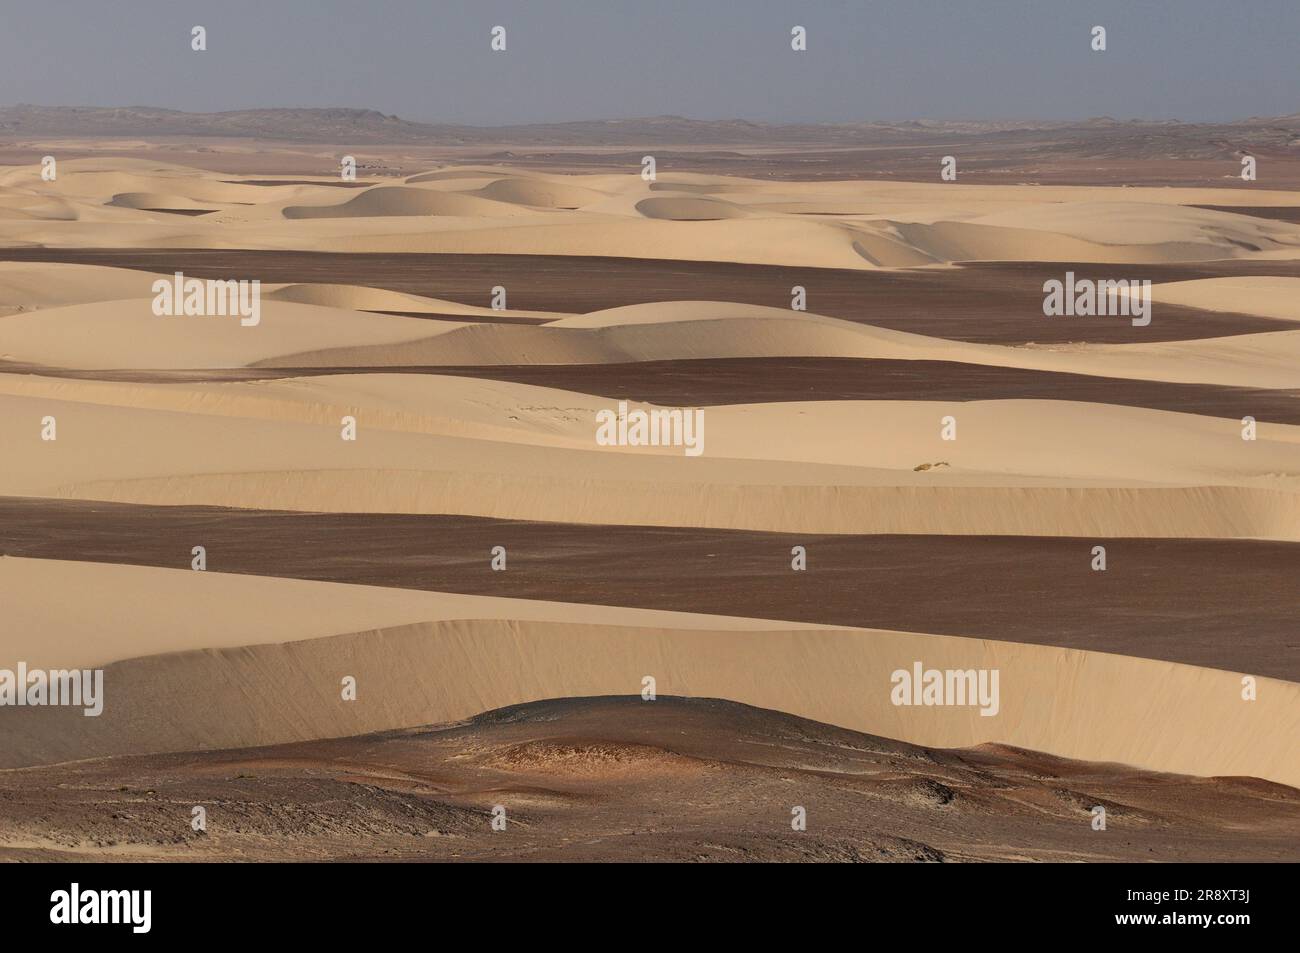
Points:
point(1133, 223)
point(537, 192)
point(400, 200)
point(96, 181)
point(31, 286)
point(715, 382)
point(851, 503)
point(237, 608)
point(685, 217)
point(987, 303)
point(514, 451)
point(175, 414)
point(128, 334)
point(1003, 439)
point(40, 208)
point(1060, 701)
point(1264, 296)
point(154, 201)
point(755, 240)
point(689, 330)
point(1173, 600)
point(360, 298)
point(688, 208)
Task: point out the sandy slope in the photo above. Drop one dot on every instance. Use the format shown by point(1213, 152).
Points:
point(108, 203)
point(470, 655)
point(514, 451)
point(1259, 295)
point(361, 298)
point(685, 330)
point(199, 660)
point(1063, 440)
point(192, 611)
point(325, 331)
point(33, 286)
point(128, 334)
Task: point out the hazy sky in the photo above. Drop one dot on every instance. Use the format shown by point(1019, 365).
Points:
point(707, 59)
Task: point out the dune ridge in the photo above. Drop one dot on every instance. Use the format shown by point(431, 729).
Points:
point(488, 448)
point(696, 217)
point(191, 412)
point(1061, 701)
point(90, 317)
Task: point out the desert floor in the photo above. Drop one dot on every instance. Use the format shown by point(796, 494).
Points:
point(521, 688)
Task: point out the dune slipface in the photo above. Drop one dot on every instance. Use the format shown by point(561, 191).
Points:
point(530, 651)
point(534, 482)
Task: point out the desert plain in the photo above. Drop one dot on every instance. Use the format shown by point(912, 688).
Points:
point(432, 616)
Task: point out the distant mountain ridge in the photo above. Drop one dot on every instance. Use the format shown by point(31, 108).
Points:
point(369, 126)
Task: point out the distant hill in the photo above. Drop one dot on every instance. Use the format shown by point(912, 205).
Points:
point(369, 126)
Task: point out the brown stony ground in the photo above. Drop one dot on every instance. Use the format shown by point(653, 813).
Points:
point(601, 779)
point(1178, 599)
point(982, 302)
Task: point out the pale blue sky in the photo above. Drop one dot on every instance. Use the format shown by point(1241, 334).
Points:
point(708, 59)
